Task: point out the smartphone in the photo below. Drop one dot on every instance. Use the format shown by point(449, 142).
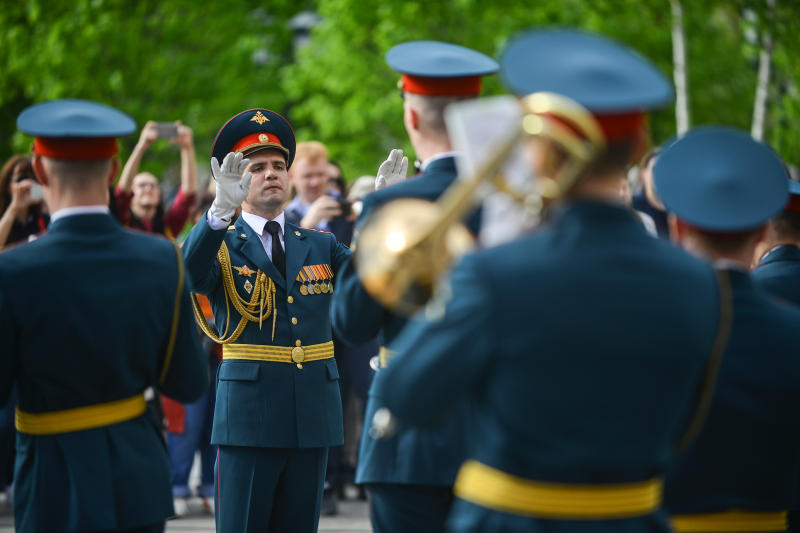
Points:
point(166, 130)
point(345, 206)
point(36, 193)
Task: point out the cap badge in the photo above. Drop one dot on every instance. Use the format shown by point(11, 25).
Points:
point(244, 271)
point(262, 138)
point(260, 118)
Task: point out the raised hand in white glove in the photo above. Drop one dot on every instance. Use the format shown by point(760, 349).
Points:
point(232, 187)
point(393, 170)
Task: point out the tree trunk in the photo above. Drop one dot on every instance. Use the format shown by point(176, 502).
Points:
point(762, 89)
point(679, 68)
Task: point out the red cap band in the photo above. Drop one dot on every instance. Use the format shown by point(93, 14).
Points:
point(463, 86)
point(620, 126)
point(793, 204)
point(76, 147)
point(258, 140)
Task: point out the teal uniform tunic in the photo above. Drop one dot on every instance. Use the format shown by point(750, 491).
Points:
point(277, 407)
point(747, 456)
point(779, 273)
point(85, 316)
point(415, 456)
point(582, 347)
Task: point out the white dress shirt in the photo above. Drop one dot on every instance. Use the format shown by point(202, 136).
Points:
point(80, 210)
point(258, 225)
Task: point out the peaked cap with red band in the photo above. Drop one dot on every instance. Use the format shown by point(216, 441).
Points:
point(719, 179)
point(434, 68)
point(252, 130)
point(75, 129)
point(609, 79)
point(794, 196)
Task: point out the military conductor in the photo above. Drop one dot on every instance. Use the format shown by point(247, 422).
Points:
point(91, 315)
point(270, 283)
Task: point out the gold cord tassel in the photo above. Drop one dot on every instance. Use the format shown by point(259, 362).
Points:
point(274, 312)
point(264, 292)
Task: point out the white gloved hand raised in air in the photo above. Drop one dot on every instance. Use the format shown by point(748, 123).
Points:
point(393, 170)
point(232, 187)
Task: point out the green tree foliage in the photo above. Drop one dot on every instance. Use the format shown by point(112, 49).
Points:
point(345, 95)
point(203, 62)
point(198, 62)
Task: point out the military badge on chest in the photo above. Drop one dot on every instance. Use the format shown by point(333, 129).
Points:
point(315, 279)
point(245, 271)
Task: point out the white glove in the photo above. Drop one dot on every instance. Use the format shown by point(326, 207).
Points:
point(393, 170)
point(232, 187)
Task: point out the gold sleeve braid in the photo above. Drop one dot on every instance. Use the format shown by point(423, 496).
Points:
point(261, 302)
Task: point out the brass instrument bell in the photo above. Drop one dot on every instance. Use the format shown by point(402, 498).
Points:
point(407, 244)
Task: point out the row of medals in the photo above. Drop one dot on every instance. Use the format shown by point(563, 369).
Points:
point(316, 288)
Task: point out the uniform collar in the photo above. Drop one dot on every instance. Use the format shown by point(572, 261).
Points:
point(442, 155)
point(257, 223)
point(781, 252)
point(80, 210)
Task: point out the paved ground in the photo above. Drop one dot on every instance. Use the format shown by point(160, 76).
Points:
point(352, 517)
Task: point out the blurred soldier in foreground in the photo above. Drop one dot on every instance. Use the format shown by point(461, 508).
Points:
point(778, 255)
point(410, 476)
point(278, 406)
point(583, 345)
point(742, 472)
point(73, 308)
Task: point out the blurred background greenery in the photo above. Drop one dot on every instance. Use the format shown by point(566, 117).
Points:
point(320, 62)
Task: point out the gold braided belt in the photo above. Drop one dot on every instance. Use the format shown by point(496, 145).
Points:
point(80, 418)
point(260, 306)
point(494, 489)
point(731, 520)
point(279, 354)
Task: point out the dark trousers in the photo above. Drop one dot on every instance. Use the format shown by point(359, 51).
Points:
point(269, 489)
point(199, 417)
point(403, 508)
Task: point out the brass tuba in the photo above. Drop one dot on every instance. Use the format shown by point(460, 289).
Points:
point(406, 245)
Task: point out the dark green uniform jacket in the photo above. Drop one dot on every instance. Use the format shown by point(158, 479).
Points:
point(428, 456)
point(85, 317)
point(264, 403)
point(747, 456)
point(779, 273)
point(582, 346)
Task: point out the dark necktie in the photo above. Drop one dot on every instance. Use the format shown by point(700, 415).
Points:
point(278, 257)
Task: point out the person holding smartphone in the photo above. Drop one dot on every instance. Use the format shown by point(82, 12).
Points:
point(24, 212)
point(137, 194)
point(314, 206)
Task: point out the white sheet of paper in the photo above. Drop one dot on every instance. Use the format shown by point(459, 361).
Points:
point(477, 128)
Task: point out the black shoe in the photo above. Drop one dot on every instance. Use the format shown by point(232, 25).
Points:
point(329, 505)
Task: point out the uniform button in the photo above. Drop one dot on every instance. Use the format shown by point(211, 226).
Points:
point(290, 299)
point(298, 342)
point(294, 320)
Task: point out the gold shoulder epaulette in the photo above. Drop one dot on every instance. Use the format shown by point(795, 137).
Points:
point(318, 231)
